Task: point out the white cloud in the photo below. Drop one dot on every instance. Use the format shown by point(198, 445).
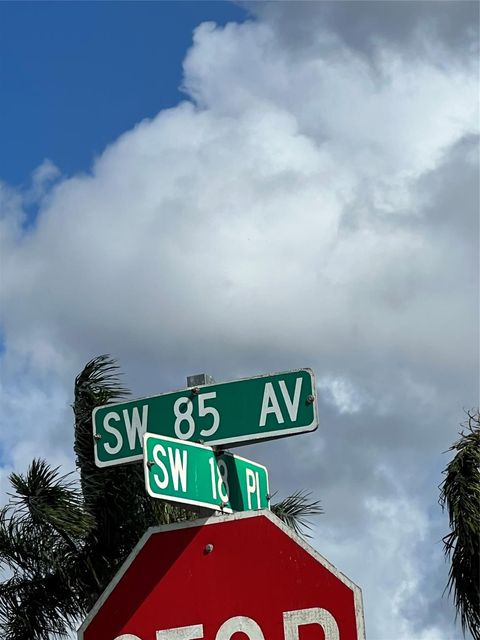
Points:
point(342, 394)
point(299, 213)
point(390, 122)
point(392, 586)
point(42, 179)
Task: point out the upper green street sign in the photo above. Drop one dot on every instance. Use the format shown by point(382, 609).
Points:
point(229, 413)
point(192, 475)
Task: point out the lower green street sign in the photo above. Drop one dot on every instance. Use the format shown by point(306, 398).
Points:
point(228, 413)
point(191, 474)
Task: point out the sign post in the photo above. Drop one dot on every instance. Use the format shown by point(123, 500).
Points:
point(193, 475)
point(233, 413)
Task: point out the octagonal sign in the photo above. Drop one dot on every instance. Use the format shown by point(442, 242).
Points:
point(244, 576)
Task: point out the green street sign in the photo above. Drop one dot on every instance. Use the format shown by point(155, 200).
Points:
point(229, 413)
point(191, 474)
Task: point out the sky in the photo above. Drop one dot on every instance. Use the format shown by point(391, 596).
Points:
point(239, 189)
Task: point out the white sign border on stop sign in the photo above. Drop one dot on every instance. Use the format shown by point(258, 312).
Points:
point(358, 601)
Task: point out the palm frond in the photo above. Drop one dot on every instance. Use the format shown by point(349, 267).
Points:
point(24, 548)
point(98, 383)
point(40, 599)
point(42, 531)
point(37, 608)
point(460, 496)
point(295, 511)
point(45, 497)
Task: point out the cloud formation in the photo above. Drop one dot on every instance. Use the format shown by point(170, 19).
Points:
point(313, 202)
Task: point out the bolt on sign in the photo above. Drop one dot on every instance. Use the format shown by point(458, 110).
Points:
point(246, 573)
point(191, 474)
point(238, 412)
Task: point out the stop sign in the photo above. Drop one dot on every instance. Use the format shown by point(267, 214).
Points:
point(244, 576)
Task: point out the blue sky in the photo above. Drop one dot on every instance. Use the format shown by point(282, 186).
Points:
point(75, 75)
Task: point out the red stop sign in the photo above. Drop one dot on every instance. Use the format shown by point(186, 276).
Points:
point(241, 577)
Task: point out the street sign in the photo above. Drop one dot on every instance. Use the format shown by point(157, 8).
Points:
point(238, 412)
point(245, 574)
point(191, 474)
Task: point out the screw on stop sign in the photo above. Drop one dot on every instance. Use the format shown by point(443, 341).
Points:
point(292, 621)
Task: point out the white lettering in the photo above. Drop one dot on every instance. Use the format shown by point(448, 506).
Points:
point(270, 405)
point(258, 489)
point(292, 620)
point(135, 427)
point(113, 450)
point(213, 475)
point(183, 416)
point(178, 467)
point(181, 633)
point(251, 485)
point(205, 411)
point(239, 624)
point(223, 488)
point(219, 478)
point(161, 484)
point(292, 405)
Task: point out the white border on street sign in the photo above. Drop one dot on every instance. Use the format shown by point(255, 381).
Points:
point(240, 515)
point(168, 497)
point(165, 496)
point(239, 441)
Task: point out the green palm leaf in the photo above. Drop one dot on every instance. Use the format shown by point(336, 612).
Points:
point(39, 546)
point(295, 511)
point(460, 495)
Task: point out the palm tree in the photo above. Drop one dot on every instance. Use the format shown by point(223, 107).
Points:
point(63, 541)
point(42, 534)
point(460, 495)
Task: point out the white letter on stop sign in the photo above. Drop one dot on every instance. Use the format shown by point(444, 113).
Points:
point(239, 624)
point(294, 619)
point(181, 633)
